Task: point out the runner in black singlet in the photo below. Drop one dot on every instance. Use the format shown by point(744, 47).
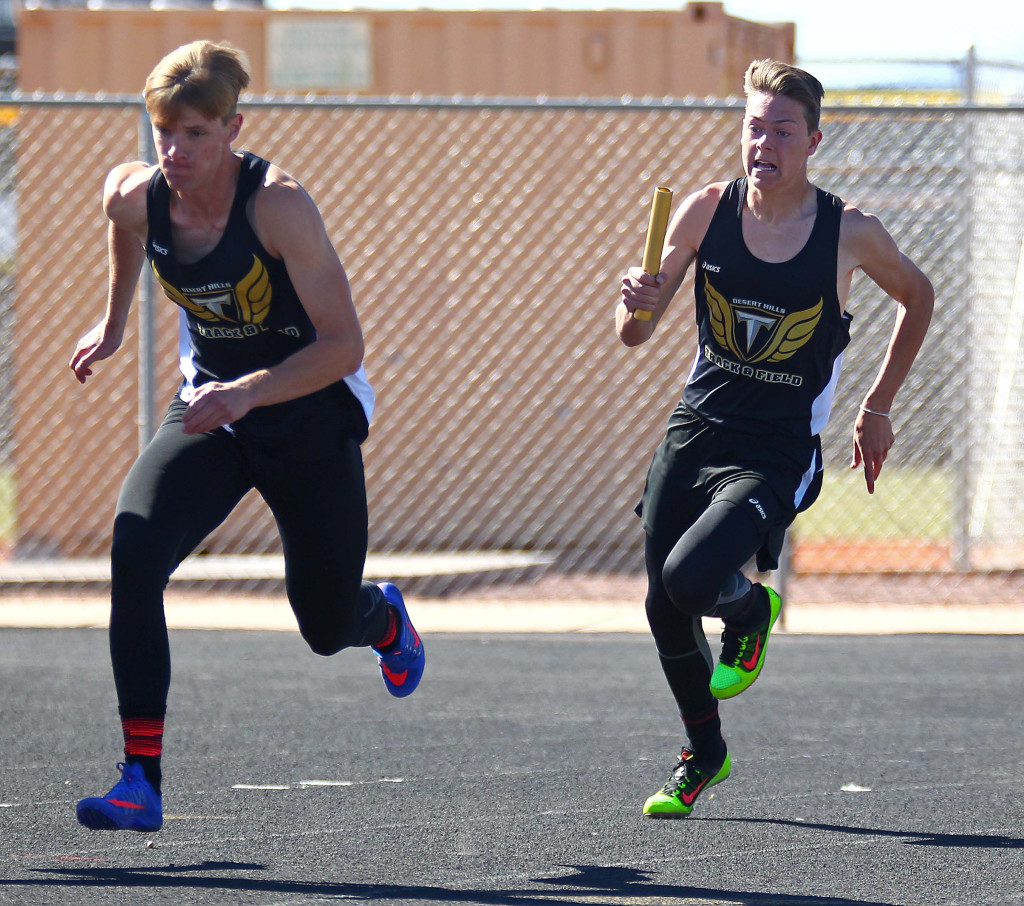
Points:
point(741, 456)
point(273, 397)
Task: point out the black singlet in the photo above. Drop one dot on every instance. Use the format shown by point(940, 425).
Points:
point(771, 336)
point(241, 312)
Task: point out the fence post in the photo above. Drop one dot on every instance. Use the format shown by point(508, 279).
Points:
point(961, 440)
point(147, 355)
point(970, 74)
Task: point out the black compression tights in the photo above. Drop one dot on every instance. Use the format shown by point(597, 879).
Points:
point(685, 576)
point(179, 490)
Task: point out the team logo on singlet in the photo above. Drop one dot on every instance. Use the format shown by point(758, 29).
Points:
point(245, 303)
point(756, 332)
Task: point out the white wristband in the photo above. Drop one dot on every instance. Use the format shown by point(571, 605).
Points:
point(874, 412)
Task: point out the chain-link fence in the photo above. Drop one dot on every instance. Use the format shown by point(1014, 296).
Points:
point(965, 80)
point(484, 243)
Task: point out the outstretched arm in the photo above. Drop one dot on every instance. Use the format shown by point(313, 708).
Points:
point(879, 257)
point(124, 205)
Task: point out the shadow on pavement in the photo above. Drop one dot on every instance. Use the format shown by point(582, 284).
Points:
point(913, 838)
point(582, 885)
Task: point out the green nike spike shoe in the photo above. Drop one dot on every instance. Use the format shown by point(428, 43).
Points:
point(689, 779)
point(743, 655)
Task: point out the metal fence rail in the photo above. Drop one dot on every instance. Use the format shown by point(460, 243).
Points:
point(484, 242)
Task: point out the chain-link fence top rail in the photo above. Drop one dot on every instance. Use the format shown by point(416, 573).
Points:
point(485, 244)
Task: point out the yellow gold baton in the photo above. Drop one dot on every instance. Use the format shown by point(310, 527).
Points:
point(661, 205)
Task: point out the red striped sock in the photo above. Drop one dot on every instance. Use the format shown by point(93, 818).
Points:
point(391, 633)
point(143, 736)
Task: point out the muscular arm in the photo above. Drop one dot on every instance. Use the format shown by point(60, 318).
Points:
point(654, 294)
point(124, 203)
point(865, 241)
point(290, 226)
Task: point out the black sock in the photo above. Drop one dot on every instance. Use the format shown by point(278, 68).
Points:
point(150, 767)
point(705, 736)
point(755, 614)
point(393, 634)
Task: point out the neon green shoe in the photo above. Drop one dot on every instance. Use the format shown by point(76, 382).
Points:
point(689, 779)
point(743, 655)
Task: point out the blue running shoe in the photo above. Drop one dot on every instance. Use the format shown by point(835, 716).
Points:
point(401, 667)
point(132, 804)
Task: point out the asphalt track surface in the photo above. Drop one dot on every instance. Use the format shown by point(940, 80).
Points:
point(866, 770)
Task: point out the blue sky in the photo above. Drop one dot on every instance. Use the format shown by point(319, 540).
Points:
point(940, 29)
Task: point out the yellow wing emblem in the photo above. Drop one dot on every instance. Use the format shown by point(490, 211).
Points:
point(787, 336)
point(722, 327)
point(792, 332)
point(254, 293)
point(184, 301)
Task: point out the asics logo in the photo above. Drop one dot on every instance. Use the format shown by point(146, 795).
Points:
point(122, 804)
point(758, 507)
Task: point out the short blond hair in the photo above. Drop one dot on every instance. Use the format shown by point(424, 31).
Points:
point(773, 77)
point(205, 76)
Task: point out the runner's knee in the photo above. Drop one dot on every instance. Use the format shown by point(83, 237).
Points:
point(707, 555)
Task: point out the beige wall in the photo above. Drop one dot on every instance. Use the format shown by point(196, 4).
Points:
point(697, 50)
point(359, 163)
point(484, 249)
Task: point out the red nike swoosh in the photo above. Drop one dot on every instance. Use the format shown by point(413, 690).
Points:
point(751, 662)
point(688, 799)
point(397, 678)
point(123, 804)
